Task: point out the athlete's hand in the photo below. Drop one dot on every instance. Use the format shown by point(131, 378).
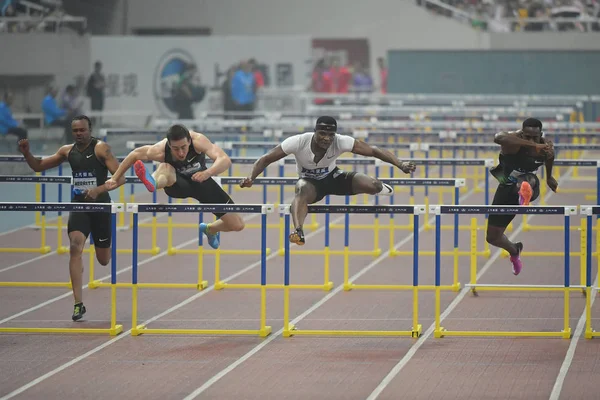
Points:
point(552, 183)
point(545, 148)
point(24, 146)
point(111, 184)
point(407, 167)
point(246, 182)
point(91, 195)
point(201, 176)
point(550, 151)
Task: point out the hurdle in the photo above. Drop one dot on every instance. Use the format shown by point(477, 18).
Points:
point(589, 212)
point(37, 179)
point(416, 329)
point(262, 209)
point(566, 211)
point(40, 192)
point(113, 208)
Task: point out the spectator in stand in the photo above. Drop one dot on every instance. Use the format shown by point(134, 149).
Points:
point(95, 91)
point(341, 76)
point(321, 82)
point(8, 125)
point(228, 103)
point(259, 78)
point(72, 105)
point(243, 88)
point(53, 114)
point(362, 79)
point(383, 74)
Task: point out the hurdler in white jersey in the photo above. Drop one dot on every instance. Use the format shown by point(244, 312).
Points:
point(316, 153)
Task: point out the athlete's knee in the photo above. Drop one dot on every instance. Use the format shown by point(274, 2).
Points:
point(76, 247)
point(103, 257)
point(375, 186)
point(237, 224)
point(304, 189)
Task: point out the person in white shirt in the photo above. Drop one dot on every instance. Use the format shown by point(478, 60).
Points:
point(315, 154)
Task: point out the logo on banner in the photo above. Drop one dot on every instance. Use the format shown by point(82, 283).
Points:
point(169, 72)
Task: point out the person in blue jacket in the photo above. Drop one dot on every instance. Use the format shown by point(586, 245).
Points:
point(8, 125)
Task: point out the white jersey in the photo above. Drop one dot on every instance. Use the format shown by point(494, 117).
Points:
point(299, 146)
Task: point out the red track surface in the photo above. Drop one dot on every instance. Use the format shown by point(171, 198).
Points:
point(172, 367)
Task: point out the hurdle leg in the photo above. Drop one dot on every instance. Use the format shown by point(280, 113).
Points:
point(583, 254)
point(135, 328)
point(92, 284)
point(218, 283)
point(473, 254)
point(202, 284)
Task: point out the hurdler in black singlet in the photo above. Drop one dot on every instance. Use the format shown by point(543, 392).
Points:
point(511, 166)
point(88, 172)
point(193, 162)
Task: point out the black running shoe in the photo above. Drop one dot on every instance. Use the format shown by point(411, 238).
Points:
point(78, 311)
point(297, 237)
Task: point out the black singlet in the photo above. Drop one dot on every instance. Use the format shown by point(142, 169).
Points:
point(193, 162)
point(88, 172)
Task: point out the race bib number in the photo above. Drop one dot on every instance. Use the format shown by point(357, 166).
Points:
point(317, 173)
point(83, 181)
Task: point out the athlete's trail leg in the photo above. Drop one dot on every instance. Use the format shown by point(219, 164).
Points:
point(362, 183)
point(164, 176)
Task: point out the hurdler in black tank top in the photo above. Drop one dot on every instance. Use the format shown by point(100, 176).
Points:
point(88, 172)
point(526, 160)
point(193, 162)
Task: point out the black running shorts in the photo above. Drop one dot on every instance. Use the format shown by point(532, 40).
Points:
point(337, 182)
point(98, 223)
point(508, 195)
point(207, 192)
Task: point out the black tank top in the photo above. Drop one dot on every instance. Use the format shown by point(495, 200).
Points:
point(526, 160)
point(193, 162)
point(88, 172)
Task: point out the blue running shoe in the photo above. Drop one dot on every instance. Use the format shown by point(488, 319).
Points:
point(213, 240)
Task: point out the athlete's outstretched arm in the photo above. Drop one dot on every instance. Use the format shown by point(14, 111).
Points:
point(42, 164)
point(153, 152)
point(367, 150)
point(511, 142)
point(263, 162)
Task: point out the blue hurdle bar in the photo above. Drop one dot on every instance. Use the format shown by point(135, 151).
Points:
point(290, 330)
point(262, 209)
point(112, 208)
point(566, 211)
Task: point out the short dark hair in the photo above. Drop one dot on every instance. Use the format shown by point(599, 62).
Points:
point(83, 118)
point(326, 120)
point(178, 132)
point(532, 123)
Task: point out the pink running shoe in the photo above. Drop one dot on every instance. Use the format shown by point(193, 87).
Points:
point(525, 193)
point(516, 259)
point(144, 176)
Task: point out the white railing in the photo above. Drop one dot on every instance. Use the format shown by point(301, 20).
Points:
point(41, 22)
point(552, 22)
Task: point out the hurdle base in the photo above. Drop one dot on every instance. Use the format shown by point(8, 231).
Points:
point(223, 285)
point(288, 332)
point(41, 250)
point(354, 286)
point(319, 332)
point(175, 251)
point(143, 330)
point(37, 284)
point(505, 287)
point(198, 286)
point(154, 251)
point(442, 332)
point(590, 334)
point(96, 331)
point(373, 253)
point(417, 332)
